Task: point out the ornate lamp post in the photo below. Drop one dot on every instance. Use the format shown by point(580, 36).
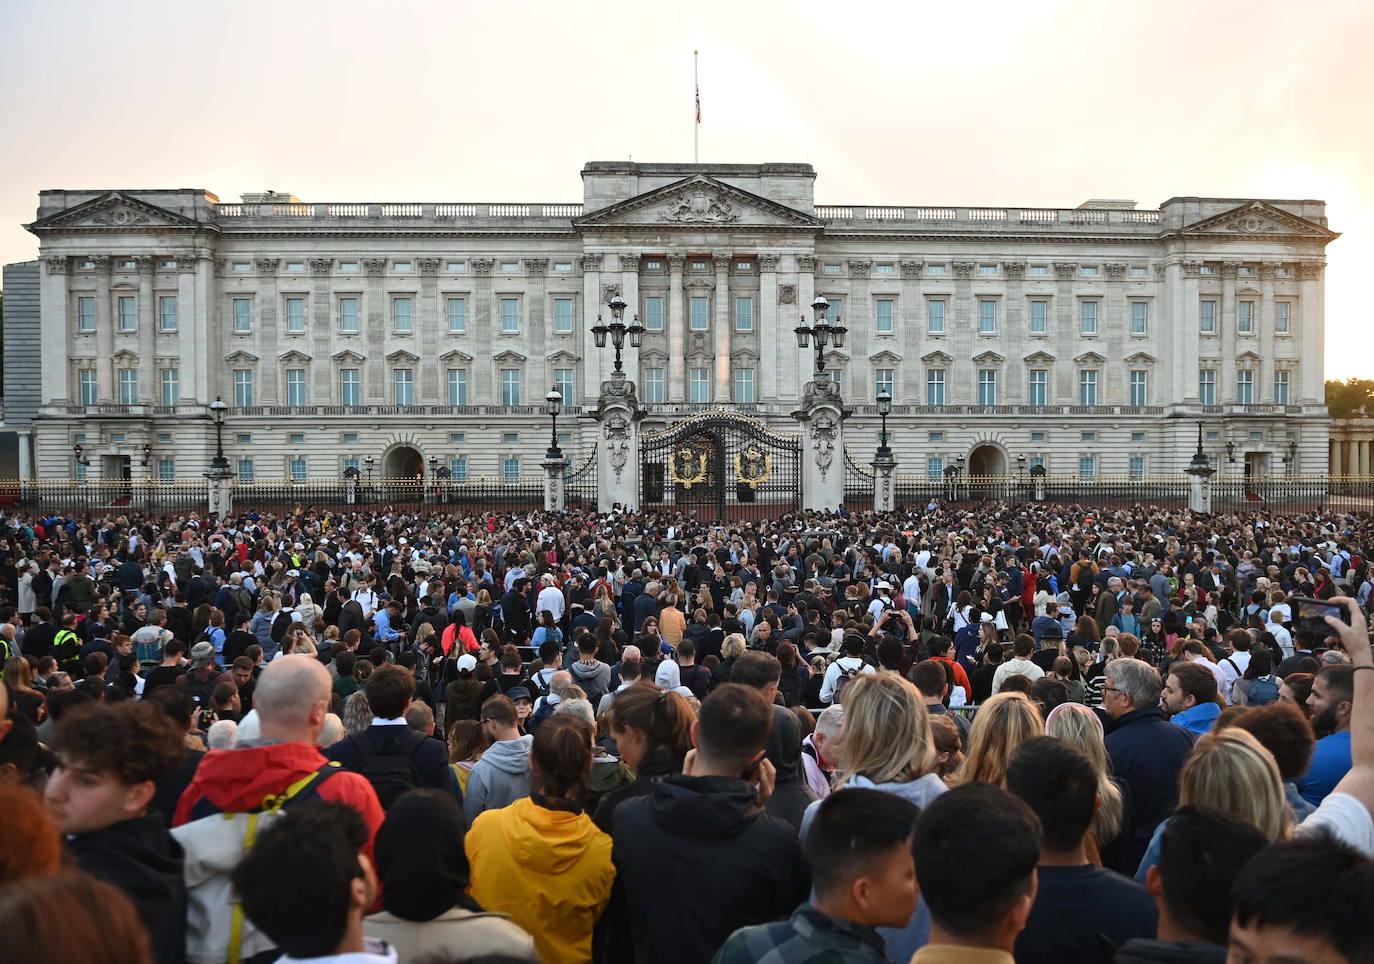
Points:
point(821, 332)
point(884, 401)
point(553, 405)
point(369, 463)
point(218, 409)
point(617, 329)
point(77, 450)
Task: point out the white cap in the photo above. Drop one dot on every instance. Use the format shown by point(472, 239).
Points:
point(467, 663)
point(293, 573)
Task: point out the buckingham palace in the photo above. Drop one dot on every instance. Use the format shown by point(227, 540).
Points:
point(1089, 340)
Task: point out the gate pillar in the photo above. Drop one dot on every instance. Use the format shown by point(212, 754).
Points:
point(618, 414)
point(884, 482)
point(820, 422)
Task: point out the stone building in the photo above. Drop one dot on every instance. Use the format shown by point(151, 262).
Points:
point(1089, 340)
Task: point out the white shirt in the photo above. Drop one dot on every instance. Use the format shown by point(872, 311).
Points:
point(1015, 667)
point(876, 607)
point(551, 598)
point(368, 600)
point(1232, 668)
point(1282, 637)
point(832, 675)
point(1216, 671)
point(911, 589)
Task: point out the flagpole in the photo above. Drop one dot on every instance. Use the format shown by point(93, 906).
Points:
point(696, 114)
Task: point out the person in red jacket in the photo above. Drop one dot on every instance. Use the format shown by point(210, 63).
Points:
point(940, 648)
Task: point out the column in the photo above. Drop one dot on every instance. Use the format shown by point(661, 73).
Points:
point(1115, 326)
point(322, 327)
point(55, 332)
point(484, 390)
point(1333, 460)
point(858, 318)
point(1066, 340)
point(907, 388)
point(1313, 337)
point(538, 324)
point(104, 332)
point(376, 324)
point(677, 331)
point(202, 387)
point(25, 454)
point(629, 290)
point(270, 333)
point(769, 333)
point(721, 328)
point(433, 389)
point(149, 390)
point(553, 484)
point(1265, 392)
point(1226, 376)
point(592, 357)
point(187, 267)
point(1364, 457)
point(820, 421)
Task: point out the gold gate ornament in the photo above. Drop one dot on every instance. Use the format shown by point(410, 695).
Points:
point(683, 470)
point(753, 467)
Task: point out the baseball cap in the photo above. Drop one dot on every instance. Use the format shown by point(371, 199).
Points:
point(518, 693)
point(202, 655)
point(467, 663)
point(293, 573)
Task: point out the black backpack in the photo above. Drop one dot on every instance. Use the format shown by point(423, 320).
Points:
point(390, 768)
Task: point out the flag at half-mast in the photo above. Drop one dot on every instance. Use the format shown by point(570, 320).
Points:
point(698, 103)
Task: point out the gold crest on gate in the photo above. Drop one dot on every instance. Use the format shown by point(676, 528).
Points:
point(687, 467)
point(753, 466)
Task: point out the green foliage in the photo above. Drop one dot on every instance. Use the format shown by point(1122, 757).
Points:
point(1343, 398)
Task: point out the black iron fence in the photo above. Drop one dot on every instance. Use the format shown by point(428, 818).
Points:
point(858, 485)
point(579, 485)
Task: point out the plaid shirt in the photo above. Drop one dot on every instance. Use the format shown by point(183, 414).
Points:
point(807, 937)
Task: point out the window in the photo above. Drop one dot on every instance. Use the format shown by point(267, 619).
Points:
point(510, 265)
point(987, 386)
point(1137, 467)
point(935, 437)
point(935, 316)
point(700, 313)
point(1039, 317)
point(243, 387)
point(1037, 436)
point(350, 387)
point(1088, 270)
point(348, 315)
point(935, 467)
point(1088, 317)
point(653, 314)
point(243, 315)
point(456, 309)
point(653, 386)
point(987, 269)
point(744, 314)
point(883, 316)
point(350, 438)
point(298, 470)
point(166, 470)
point(567, 265)
point(168, 384)
point(295, 386)
point(1140, 387)
point(1207, 269)
point(85, 314)
point(834, 311)
point(455, 265)
point(563, 381)
point(1087, 387)
point(510, 469)
point(117, 438)
point(457, 438)
point(935, 269)
point(1039, 269)
point(1087, 436)
point(242, 266)
point(510, 386)
point(1207, 386)
point(935, 386)
point(1140, 317)
point(883, 381)
point(350, 463)
point(1037, 461)
point(458, 467)
point(128, 386)
point(167, 313)
point(1139, 272)
point(833, 268)
point(404, 379)
point(699, 265)
point(884, 269)
point(987, 317)
point(833, 374)
point(700, 385)
point(1038, 386)
point(1257, 436)
point(1280, 388)
point(1245, 317)
point(128, 314)
point(86, 380)
point(1137, 436)
point(1245, 387)
point(401, 319)
point(744, 386)
point(510, 315)
point(1207, 318)
point(244, 438)
point(402, 266)
point(245, 470)
point(295, 267)
point(1283, 317)
point(457, 386)
point(563, 316)
point(297, 438)
point(1087, 467)
point(295, 315)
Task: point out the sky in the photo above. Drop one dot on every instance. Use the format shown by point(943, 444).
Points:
point(1034, 104)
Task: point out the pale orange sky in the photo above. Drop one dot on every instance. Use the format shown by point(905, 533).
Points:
point(1018, 103)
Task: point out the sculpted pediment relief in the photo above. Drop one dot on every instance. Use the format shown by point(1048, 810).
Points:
point(115, 211)
point(1039, 358)
point(1258, 219)
point(698, 201)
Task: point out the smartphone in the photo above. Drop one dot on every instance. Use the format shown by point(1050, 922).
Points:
point(1308, 613)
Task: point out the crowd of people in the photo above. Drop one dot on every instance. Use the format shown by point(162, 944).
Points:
point(992, 733)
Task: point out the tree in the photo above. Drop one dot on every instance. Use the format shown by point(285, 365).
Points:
point(1343, 398)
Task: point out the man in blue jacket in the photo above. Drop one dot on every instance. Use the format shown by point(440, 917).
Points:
point(1190, 697)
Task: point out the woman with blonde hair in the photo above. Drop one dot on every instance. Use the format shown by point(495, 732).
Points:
point(1001, 725)
point(1080, 728)
point(1231, 771)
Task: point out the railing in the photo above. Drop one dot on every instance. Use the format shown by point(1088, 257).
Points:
point(1031, 217)
point(366, 410)
point(408, 210)
point(580, 485)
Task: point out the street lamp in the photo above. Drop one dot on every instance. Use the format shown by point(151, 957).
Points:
point(884, 410)
point(369, 463)
point(554, 404)
point(218, 409)
point(147, 452)
point(820, 332)
point(617, 329)
point(433, 465)
point(77, 449)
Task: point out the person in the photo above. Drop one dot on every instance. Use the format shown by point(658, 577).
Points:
point(1190, 697)
point(467, 741)
point(588, 672)
point(394, 757)
point(463, 695)
point(502, 775)
point(863, 877)
point(1303, 900)
point(426, 907)
point(846, 669)
point(541, 860)
point(1081, 729)
point(1146, 751)
point(932, 681)
point(652, 729)
point(323, 843)
point(281, 763)
point(1060, 785)
point(703, 837)
point(29, 843)
point(110, 758)
point(789, 798)
point(1001, 725)
point(1201, 854)
point(1019, 665)
point(820, 750)
point(1331, 703)
point(1287, 735)
point(71, 917)
point(976, 851)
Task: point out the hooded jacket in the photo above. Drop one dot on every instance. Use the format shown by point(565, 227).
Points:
point(594, 678)
point(706, 841)
point(141, 858)
point(500, 778)
point(549, 869)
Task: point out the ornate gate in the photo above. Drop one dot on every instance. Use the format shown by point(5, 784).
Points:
point(721, 465)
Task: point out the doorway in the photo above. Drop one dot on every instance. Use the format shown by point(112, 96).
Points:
point(403, 463)
point(987, 460)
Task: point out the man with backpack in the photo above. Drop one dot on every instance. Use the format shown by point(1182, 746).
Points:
point(845, 669)
point(237, 793)
point(392, 756)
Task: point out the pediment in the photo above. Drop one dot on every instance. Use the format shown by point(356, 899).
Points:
point(697, 201)
point(1141, 358)
point(401, 355)
point(885, 358)
point(745, 354)
point(937, 358)
point(509, 355)
point(455, 356)
point(1039, 358)
point(700, 357)
point(563, 356)
point(115, 211)
point(294, 357)
point(242, 358)
point(1248, 356)
point(651, 357)
point(348, 356)
point(1090, 358)
point(989, 358)
point(124, 355)
point(1260, 220)
point(836, 357)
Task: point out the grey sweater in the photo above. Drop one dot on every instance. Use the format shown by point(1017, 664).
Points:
point(500, 778)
